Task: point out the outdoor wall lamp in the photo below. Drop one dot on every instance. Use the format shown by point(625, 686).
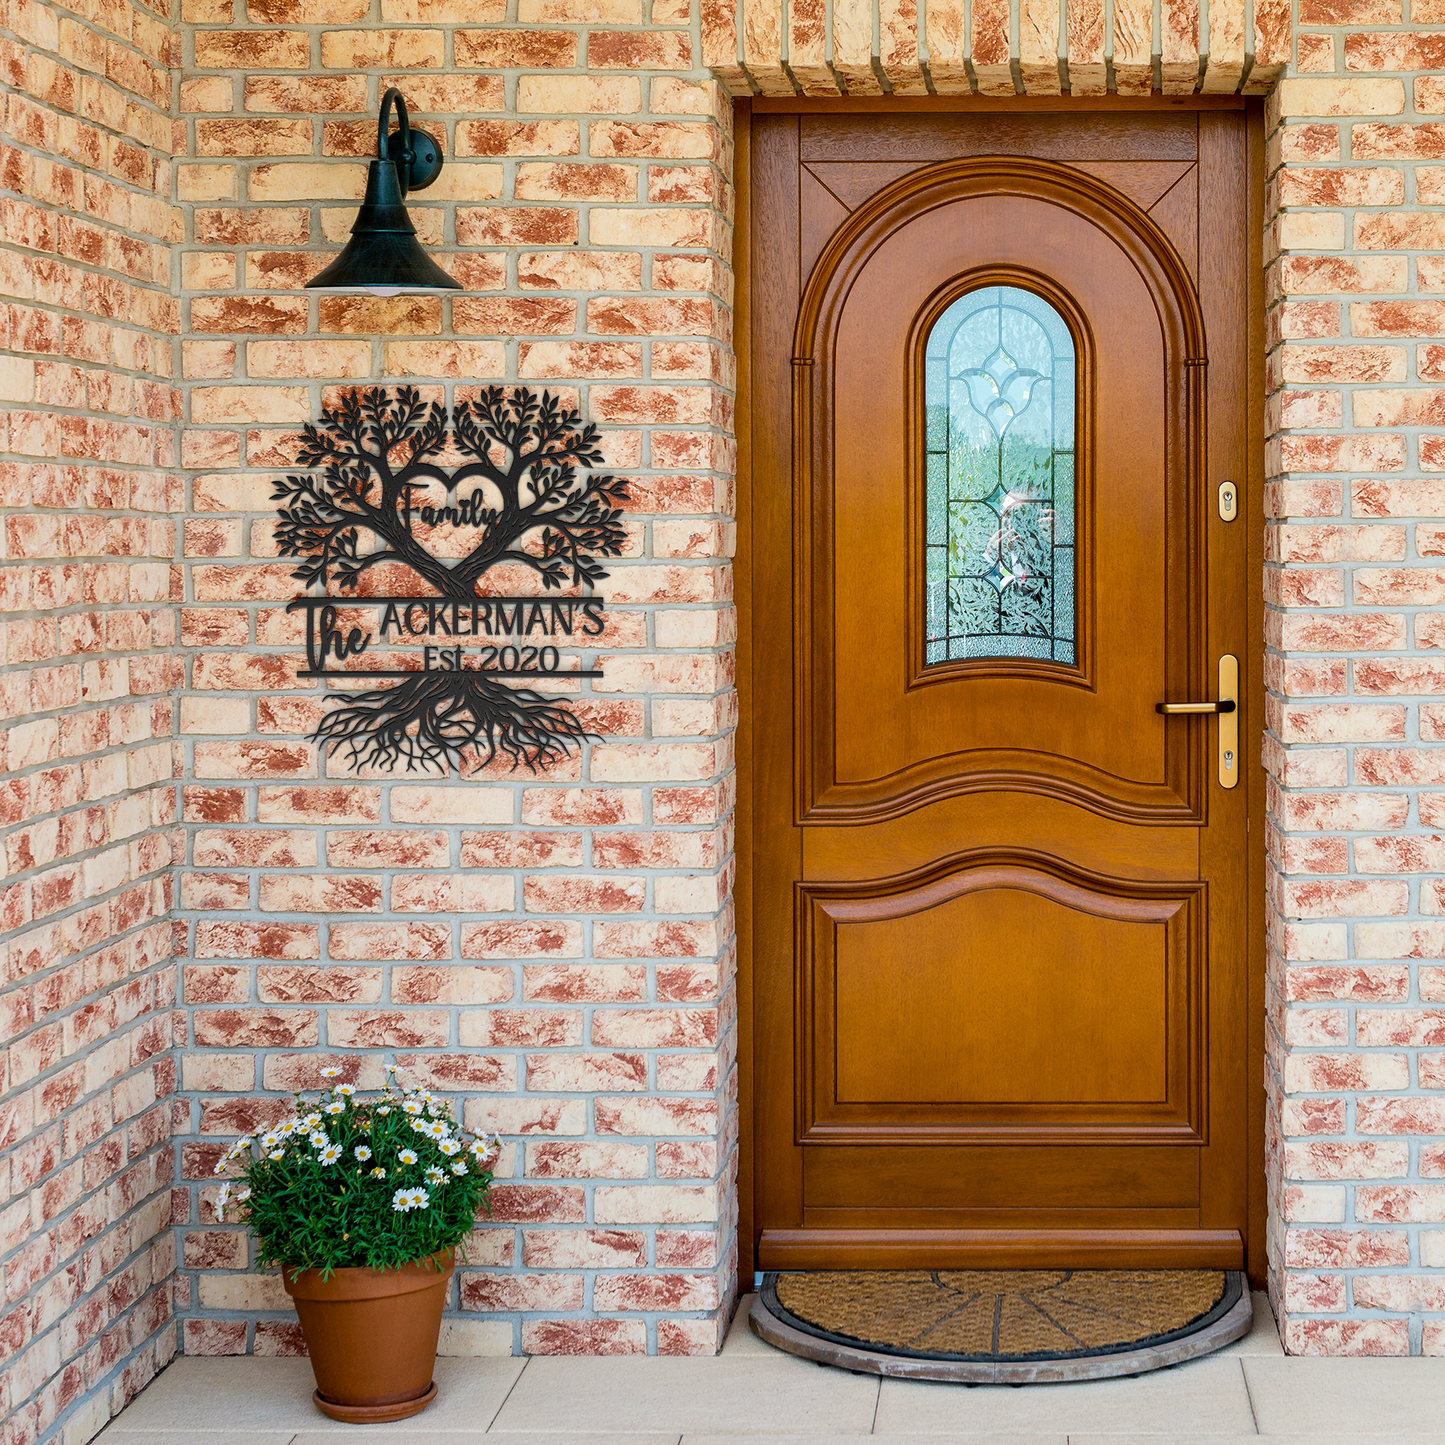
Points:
point(383, 255)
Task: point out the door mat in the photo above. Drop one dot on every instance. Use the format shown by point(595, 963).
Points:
point(985, 1326)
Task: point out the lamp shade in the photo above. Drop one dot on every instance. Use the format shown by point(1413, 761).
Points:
point(383, 255)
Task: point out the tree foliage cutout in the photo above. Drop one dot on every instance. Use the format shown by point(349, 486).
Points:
point(533, 502)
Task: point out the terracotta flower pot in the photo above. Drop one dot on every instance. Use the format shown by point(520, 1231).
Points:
point(372, 1336)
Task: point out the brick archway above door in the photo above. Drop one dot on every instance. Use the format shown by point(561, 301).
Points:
point(996, 48)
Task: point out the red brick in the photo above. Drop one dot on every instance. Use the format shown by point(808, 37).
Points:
point(323, 984)
point(536, 1204)
point(389, 941)
point(522, 940)
point(584, 983)
point(584, 1337)
point(255, 1028)
point(251, 940)
point(378, 848)
point(387, 1029)
point(519, 1028)
point(515, 49)
point(655, 1292)
point(513, 1292)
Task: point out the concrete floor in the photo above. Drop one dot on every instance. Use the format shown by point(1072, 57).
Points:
point(1246, 1391)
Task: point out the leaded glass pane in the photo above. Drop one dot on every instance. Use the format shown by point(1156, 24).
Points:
point(999, 434)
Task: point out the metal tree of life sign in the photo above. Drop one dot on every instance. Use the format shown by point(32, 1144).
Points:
point(521, 499)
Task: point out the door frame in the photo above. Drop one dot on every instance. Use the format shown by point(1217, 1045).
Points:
point(1252, 514)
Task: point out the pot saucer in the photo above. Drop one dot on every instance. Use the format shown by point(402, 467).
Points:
point(375, 1414)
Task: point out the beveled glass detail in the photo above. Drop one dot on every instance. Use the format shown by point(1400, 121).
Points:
point(999, 444)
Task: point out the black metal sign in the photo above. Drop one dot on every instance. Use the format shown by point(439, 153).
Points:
point(381, 495)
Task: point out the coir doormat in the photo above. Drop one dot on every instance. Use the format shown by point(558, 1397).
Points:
point(1013, 1325)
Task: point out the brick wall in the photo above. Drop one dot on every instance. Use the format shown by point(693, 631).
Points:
point(556, 951)
point(553, 951)
point(1354, 588)
point(88, 670)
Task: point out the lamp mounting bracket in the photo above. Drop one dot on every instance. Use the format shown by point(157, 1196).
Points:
point(416, 155)
point(425, 164)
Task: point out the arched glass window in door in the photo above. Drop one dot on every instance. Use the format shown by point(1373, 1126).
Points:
point(999, 393)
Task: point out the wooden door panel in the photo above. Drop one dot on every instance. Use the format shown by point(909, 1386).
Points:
point(1000, 998)
point(1144, 182)
point(853, 182)
point(934, 732)
point(822, 212)
point(999, 922)
point(1167, 190)
point(1177, 214)
point(998, 1177)
point(1157, 136)
point(941, 1007)
point(997, 820)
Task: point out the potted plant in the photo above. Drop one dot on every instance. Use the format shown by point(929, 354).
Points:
point(363, 1203)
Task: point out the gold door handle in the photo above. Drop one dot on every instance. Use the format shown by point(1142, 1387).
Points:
point(1228, 710)
point(1228, 721)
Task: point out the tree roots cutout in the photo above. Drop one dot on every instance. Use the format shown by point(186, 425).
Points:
point(428, 720)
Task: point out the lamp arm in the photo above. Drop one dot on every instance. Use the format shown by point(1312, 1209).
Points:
point(403, 170)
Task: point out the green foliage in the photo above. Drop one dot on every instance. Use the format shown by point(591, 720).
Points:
point(346, 1181)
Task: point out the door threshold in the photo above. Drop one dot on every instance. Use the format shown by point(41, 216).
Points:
point(865, 1249)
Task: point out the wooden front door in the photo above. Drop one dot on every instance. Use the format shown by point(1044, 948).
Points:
point(999, 372)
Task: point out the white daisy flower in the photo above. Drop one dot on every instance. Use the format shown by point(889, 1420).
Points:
point(277, 1154)
point(436, 1129)
point(220, 1166)
point(401, 1201)
point(459, 1167)
point(412, 1107)
point(385, 1109)
point(407, 1156)
point(288, 1128)
point(345, 1090)
point(435, 1176)
point(450, 1146)
point(331, 1073)
point(319, 1139)
point(270, 1139)
point(378, 1172)
point(362, 1153)
point(221, 1199)
point(311, 1121)
point(336, 1106)
point(331, 1154)
point(243, 1195)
